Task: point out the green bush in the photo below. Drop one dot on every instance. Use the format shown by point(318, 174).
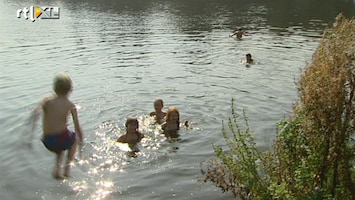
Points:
point(313, 155)
point(238, 169)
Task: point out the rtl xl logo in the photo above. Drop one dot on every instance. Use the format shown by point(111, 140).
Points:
point(35, 12)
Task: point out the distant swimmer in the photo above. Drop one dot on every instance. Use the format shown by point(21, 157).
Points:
point(239, 32)
point(249, 59)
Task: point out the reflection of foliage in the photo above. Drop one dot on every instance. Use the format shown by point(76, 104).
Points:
point(314, 154)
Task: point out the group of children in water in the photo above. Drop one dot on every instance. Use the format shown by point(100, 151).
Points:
point(57, 138)
point(169, 121)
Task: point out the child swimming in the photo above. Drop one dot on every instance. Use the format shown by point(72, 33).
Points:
point(57, 137)
point(172, 123)
point(249, 59)
point(132, 135)
point(159, 114)
point(239, 32)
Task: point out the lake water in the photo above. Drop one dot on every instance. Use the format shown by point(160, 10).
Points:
point(121, 56)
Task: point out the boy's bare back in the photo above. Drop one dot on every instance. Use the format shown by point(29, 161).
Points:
point(55, 112)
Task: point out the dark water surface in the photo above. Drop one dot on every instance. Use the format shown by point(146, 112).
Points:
point(122, 55)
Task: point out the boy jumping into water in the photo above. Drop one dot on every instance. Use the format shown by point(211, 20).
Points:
point(56, 136)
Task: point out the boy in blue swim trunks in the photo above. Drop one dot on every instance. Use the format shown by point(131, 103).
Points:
point(56, 137)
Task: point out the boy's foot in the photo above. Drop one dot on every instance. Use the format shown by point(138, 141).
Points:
point(58, 176)
point(67, 171)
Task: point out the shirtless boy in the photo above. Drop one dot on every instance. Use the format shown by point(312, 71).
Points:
point(132, 135)
point(159, 114)
point(239, 32)
point(56, 136)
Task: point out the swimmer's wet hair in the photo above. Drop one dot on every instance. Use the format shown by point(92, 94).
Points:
point(132, 120)
point(159, 101)
point(171, 110)
point(62, 84)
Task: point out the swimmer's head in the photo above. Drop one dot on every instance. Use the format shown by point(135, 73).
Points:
point(248, 58)
point(158, 104)
point(132, 120)
point(62, 84)
point(173, 114)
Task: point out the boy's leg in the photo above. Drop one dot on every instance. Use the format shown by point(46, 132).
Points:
point(71, 154)
point(58, 166)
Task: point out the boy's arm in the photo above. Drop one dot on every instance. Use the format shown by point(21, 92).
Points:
point(32, 122)
point(76, 123)
point(34, 117)
point(122, 139)
point(36, 113)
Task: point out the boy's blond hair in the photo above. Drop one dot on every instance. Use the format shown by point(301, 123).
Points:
point(62, 84)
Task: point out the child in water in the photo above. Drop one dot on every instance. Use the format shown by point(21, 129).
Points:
point(132, 135)
point(159, 114)
point(238, 32)
point(249, 59)
point(172, 123)
point(57, 137)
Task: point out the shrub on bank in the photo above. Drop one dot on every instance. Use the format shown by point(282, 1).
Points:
point(313, 155)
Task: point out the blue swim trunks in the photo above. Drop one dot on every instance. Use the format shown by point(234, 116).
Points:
point(59, 142)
